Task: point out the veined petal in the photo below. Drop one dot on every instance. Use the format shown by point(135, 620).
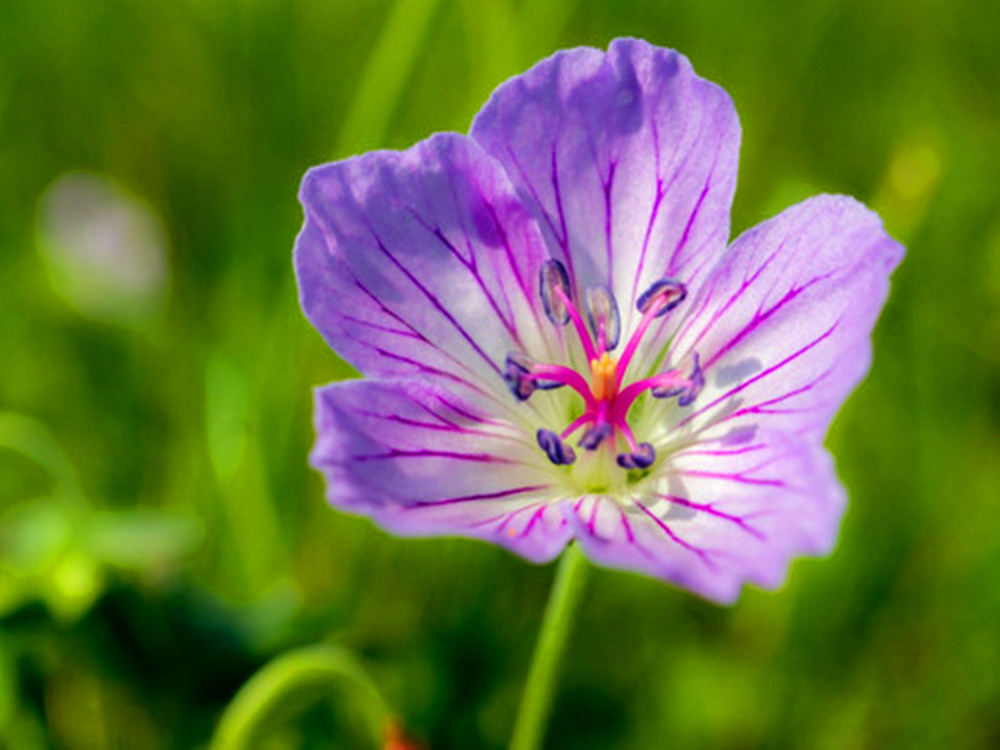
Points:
point(627, 158)
point(783, 326)
point(728, 511)
point(421, 262)
point(420, 461)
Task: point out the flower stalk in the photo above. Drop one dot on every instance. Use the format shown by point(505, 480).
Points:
point(560, 612)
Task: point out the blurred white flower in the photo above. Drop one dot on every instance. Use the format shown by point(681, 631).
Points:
point(105, 249)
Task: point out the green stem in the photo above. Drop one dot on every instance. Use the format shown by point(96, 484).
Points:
point(311, 672)
point(536, 701)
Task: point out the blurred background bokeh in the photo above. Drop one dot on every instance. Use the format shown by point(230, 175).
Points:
point(161, 536)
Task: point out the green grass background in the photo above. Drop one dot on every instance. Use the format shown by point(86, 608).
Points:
point(161, 536)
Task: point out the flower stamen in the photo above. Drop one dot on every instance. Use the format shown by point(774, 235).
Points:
point(641, 458)
point(581, 328)
point(576, 424)
point(687, 388)
point(596, 435)
point(555, 291)
point(603, 317)
point(558, 452)
point(606, 402)
point(660, 298)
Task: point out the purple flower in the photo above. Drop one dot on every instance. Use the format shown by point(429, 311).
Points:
point(558, 343)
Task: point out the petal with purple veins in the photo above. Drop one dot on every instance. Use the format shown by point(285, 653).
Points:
point(421, 462)
point(783, 327)
point(725, 514)
point(627, 158)
point(421, 262)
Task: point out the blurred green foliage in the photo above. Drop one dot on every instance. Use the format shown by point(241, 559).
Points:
point(161, 536)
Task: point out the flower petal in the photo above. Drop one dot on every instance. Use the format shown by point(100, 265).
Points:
point(729, 511)
point(422, 462)
point(627, 158)
point(420, 262)
point(783, 326)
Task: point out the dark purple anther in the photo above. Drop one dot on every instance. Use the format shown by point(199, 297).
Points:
point(517, 376)
point(674, 390)
point(697, 382)
point(668, 292)
point(602, 310)
point(595, 436)
point(553, 276)
point(688, 389)
point(558, 452)
point(641, 458)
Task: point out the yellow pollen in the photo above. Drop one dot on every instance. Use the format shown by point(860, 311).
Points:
point(604, 378)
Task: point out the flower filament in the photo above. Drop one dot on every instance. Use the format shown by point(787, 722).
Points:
point(604, 421)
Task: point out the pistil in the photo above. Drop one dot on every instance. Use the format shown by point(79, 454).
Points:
point(603, 378)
